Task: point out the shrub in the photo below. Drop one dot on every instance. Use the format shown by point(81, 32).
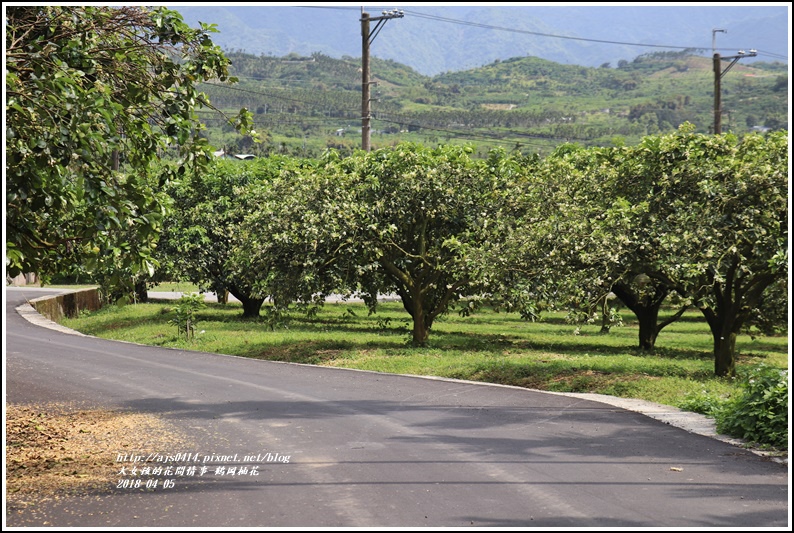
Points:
point(705, 403)
point(185, 313)
point(760, 413)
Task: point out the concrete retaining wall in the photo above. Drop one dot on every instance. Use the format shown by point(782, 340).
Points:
point(67, 305)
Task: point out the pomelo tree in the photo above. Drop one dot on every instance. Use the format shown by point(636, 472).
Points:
point(96, 96)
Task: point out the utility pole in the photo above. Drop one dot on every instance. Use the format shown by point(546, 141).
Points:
point(718, 74)
point(367, 36)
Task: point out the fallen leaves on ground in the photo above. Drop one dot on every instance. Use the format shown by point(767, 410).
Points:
point(58, 450)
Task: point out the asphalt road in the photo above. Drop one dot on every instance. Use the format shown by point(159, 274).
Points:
point(377, 450)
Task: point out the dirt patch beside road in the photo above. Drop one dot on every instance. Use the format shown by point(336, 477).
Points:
point(58, 450)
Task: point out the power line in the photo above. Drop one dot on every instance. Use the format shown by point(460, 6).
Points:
point(554, 36)
point(340, 8)
point(771, 54)
point(527, 32)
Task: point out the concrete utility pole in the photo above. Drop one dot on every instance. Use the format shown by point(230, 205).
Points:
point(367, 36)
point(718, 74)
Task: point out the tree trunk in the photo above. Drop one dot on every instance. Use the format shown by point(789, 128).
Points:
point(724, 325)
point(605, 318)
point(725, 354)
point(141, 294)
point(735, 296)
point(724, 330)
point(647, 318)
point(413, 304)
point(646, 310)
point(251, 306)
point(421, 333)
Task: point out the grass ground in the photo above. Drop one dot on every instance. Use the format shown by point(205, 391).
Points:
point(488, 346)
point(175, 286)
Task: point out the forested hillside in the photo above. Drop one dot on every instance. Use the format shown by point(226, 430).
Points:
point(305, 104)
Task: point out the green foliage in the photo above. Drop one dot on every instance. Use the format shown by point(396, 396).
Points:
point(760, 413)
point(703, 402)
point(420, 211)
point(185, 314)
point(276, 318)
point(288, 244)
point(203, 238)
point(719, 211)
point(699, 216)
point(770, 316)
point(96, 95)
point(390, 221)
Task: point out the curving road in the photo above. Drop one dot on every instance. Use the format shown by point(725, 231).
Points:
point(376, 450)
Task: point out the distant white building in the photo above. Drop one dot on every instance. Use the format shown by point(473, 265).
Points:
point(245, 157)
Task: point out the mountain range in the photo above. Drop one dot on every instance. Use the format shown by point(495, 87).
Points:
point(438, 38)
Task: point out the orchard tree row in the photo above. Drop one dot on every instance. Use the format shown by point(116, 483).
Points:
point(685, 219)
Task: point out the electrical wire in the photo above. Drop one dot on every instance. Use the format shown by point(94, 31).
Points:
point(437, 18)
